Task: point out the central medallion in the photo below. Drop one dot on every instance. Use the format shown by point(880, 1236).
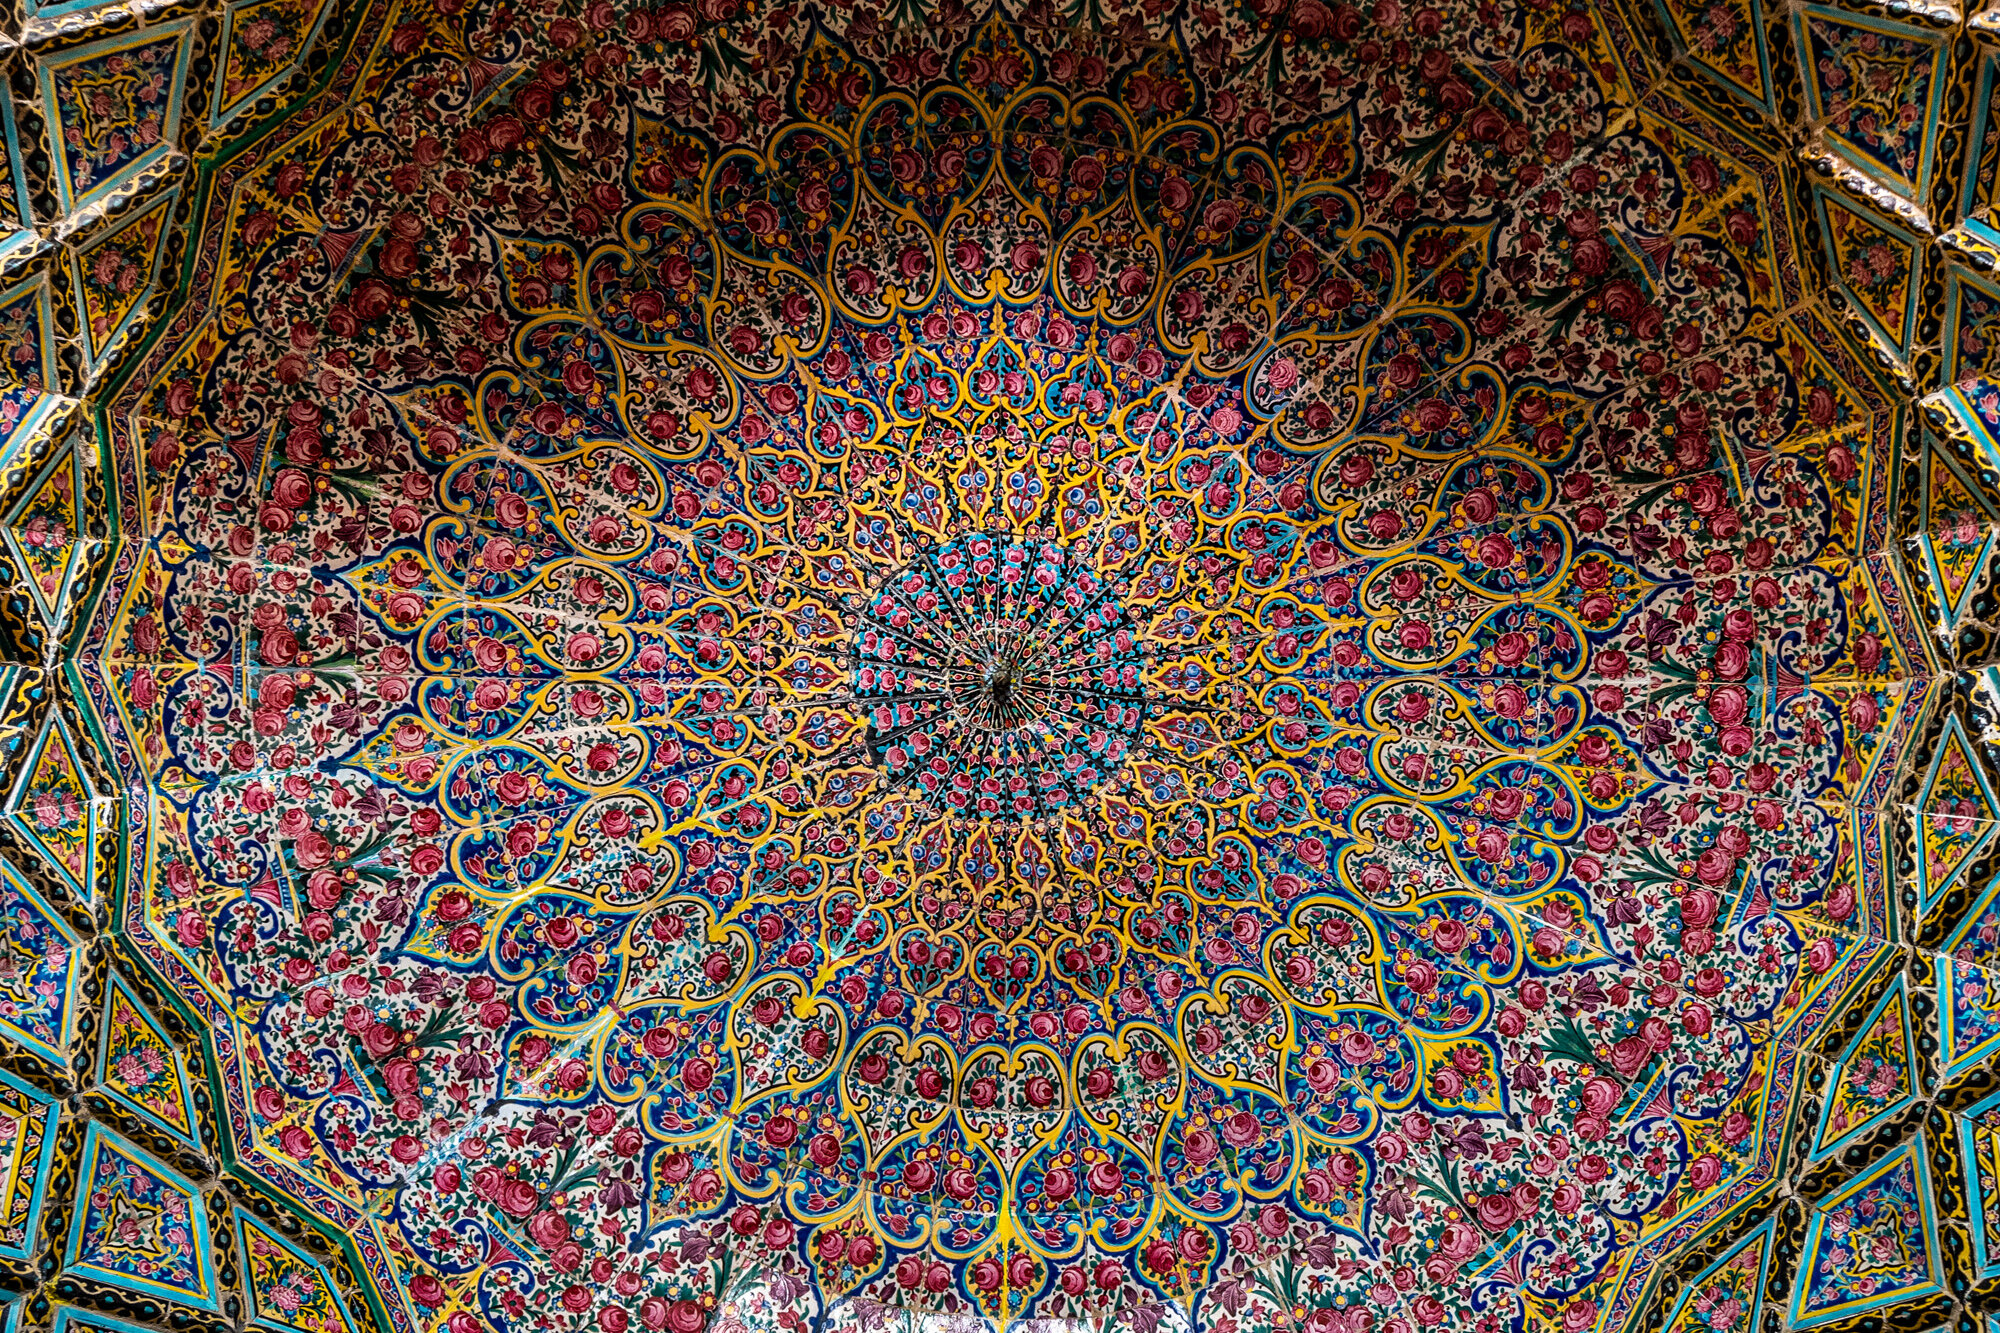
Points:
point(1002, 676)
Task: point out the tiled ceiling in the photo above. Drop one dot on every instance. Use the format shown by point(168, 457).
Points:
point(1139, 666)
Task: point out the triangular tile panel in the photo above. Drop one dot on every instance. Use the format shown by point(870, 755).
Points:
point(25, 412)
point(1874, 1079)
point(264, 39)
point(1979, 1149)
point(1977, 191)
point(69, 1319)
point(141, 1068)
point(1872, 1244)
point(27, 1152)
point(1878, 86)
point(111, 276)
point(1878, 264)
point(115, 107)
point(1955, 813)
point(1971, 343)
point(41, 532)
point(28, 337)
point(1956, 537)
point(53, 806)
point(1968, 1003)
point(140, 1225)
point(1725, 41)
point(289, 1290)
point(39, 969)
point(1970, 411)
point(1728, 1296)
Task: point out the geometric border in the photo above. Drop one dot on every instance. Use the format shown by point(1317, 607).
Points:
point(68, 1315)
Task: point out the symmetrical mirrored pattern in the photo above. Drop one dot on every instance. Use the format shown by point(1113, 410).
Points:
point(1289, 666)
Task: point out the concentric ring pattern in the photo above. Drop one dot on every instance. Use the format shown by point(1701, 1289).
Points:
point(1283, 666)
point(994, 695)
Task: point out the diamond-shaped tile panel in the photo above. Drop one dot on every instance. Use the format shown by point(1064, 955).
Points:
point(1724, 39)
point(139, 1066)
point(139, 1225)
point(27, 1151)
point(1878, 264)
point(112, 276)
point(1955, 813)
point(1729, 1294)
point(1874, 1079)
point(40, 960)
point(1878, 86)
point(117, 106)
point(52, 806)
point(1871, 1244)
point(289, 1290)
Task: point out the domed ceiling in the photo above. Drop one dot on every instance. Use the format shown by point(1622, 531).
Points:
point(1267, 667)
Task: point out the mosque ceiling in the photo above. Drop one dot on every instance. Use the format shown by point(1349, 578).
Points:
point(1164, 666)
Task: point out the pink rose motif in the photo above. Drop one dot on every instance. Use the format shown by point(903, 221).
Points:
point(517, 1198)
point(1459, 1241)
point(1600, 1095)
point(1242, 1129)
point(1630, 1054)
point(1496, 1212)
